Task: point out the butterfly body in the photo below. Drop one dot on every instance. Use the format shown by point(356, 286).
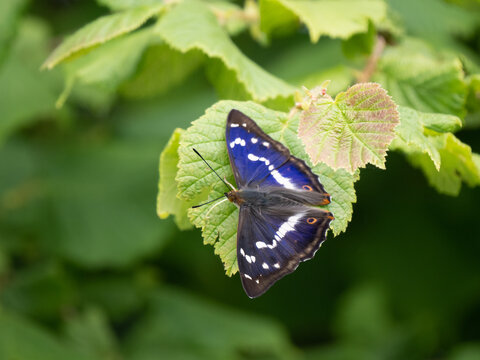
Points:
point(274, 196)
point(280, 223)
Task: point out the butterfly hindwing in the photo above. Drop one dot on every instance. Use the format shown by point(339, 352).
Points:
point(272, 242)
point(258, 160)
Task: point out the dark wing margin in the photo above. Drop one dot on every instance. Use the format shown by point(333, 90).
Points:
point(272, 243)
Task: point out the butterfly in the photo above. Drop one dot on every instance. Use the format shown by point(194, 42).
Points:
point(280, 223)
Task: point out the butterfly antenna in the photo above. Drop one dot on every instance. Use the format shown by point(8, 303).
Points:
point(205, 161)
point(208, 202)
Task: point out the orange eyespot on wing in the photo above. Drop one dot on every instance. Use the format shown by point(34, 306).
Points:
point(311, 221)
point(307, 187)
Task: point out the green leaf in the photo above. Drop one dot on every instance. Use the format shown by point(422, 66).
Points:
point(351, 131)
point(4, 262)
point(191, 25)
point(411, 135)
point(418, 77)
point(364, 317)
point(90, 334)
point(160, 69)
point(465, 351)
point(276, 19)
point(334, 18)
point(117, 5)
point(21, 339)
point(364, 326)
point(307, 65)
point(122, 294)
point(435, 20)
point(232, 17)
point(472, 120)
point(40, 290)
point(100, 31)
point(10, 12)
point(167, 201)
point(441, 123)
point(219, 221)
point(104, 189)
point(360, 44)
point(181, 326)
point(27, 95)
point(458, 164)
point(108, 65)
point(340, 184)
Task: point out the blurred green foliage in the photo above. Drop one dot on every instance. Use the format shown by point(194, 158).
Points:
point(88, 271)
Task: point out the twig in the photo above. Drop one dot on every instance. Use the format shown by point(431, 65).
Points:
point(372, 62)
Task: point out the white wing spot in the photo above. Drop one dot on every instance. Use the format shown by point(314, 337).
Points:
point(247, 276)
point(257, 281)
point(249, 258)
point(254, 140)
point(265, 266)
point(254, 157)
point(234, 125)
point(266, 144)
point(274, 245)
point(244, 125)
point(282, 180)
point(277, 266)
point(260, 245)
point(288, 226)
point(236, 141)
point(243, 143)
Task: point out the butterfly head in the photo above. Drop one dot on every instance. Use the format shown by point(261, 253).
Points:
point(234, 197)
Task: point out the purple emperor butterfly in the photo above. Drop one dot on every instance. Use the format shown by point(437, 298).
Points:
point(279, 223)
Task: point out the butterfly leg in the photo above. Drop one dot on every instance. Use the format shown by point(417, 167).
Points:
point(225, 179)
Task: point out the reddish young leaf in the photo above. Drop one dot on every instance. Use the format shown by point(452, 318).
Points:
point(351, 131)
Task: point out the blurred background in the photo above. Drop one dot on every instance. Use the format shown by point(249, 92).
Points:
point(88, 271)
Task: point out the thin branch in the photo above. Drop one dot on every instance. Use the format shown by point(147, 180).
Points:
point(372, 62)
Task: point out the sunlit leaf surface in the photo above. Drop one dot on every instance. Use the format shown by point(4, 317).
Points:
point(351, 131)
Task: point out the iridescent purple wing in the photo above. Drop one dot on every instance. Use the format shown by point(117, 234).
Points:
point(272, 242)
point(258, 160)
point(250, 150)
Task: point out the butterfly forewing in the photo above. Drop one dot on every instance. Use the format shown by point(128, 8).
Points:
point(258, 160)
point(272, 242)
point(252, 153)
